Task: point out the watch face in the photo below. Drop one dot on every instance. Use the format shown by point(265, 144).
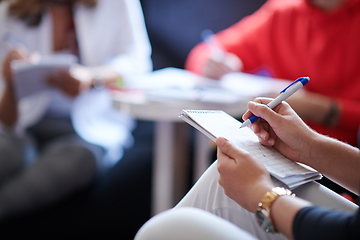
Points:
point(263, 219)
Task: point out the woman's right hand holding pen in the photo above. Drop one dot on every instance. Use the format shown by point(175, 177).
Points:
point(215, 68)
point(220, 62)
point(282, 129)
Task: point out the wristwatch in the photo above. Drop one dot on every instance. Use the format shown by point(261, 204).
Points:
point(98, 82)
point(264, 207)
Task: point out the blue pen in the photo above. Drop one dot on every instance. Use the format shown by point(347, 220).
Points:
point(13, 42)
point(217, 50)
point(284, 94)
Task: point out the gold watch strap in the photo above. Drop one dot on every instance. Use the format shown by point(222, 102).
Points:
point(270, 197)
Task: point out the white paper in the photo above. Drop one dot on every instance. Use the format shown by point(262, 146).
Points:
point(250, 85)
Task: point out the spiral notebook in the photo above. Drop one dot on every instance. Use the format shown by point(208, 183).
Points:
point(217, 123)
point(29, 76)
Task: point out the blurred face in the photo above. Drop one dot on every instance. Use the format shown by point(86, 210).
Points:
point(327, 5)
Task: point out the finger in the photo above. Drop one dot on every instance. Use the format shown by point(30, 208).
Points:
point(248, 113)
point(23, 52)
point(215, 69)
point(53, 80)
point(264, 112)
point(15, 55)
point(229, 149)
point(267, 142)
point(263, 100)
point(220, 154)
point(61, 79)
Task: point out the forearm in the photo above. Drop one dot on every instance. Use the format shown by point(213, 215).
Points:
point(336, 160)
point(283, 212)
point(8, 107)
point(197, 58)
point(316, 108)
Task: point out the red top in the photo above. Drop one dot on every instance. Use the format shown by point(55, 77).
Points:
point(291, 39)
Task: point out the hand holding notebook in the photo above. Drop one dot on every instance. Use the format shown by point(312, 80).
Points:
point(29, 76)
point(215, 123)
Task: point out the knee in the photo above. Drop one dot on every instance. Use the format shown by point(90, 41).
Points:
point(12, 153)
point(189, 223)
point(80, 159)
point(74, 164)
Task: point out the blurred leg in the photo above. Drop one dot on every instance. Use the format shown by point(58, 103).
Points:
point(63, 167)
point(12, 156)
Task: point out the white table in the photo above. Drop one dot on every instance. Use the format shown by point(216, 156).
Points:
point(170, 169)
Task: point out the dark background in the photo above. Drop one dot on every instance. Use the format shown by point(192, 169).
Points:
point(118, 204)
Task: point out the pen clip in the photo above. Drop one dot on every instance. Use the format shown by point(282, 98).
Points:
point(303, 80)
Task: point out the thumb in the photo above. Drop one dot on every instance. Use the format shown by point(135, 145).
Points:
point(227, 147)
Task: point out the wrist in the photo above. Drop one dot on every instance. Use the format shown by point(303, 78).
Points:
point(283, 213)
point(258, 194)
point(98, 82)
point(332, 115)
point(9, 87)
point(263, 213)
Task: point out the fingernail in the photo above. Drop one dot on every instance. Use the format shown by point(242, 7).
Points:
point(251, 103)
point(262, 136)
point(221, 140)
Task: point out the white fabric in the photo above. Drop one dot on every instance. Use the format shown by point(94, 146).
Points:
point(95, 120)
point(190, 224)
point(113, 34)
point(208, 195)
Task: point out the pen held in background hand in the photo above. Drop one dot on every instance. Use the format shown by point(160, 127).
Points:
point(217, 50)
point(13, 42)
point(284, 94)
point(218, 53)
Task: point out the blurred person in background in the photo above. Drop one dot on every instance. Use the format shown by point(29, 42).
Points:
point(53, 144)
point(287, 39)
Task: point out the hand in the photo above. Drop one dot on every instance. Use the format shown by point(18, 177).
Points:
point(72, 82)
point(216, 67)
point(243, 177)
point(281, 128)
point(8, 103)
point(15, 54)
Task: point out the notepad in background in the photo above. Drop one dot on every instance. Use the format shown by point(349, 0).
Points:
point(216, 123)
point(203, 94)
point(29, 76)
point(250, 85)
point(181, 86)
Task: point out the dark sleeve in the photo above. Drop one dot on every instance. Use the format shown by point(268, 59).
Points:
point(321, 223)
